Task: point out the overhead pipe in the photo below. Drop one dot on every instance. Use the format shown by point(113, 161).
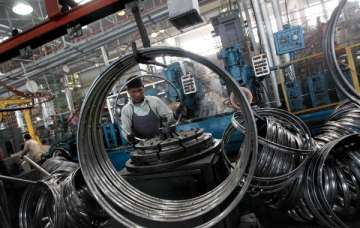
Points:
point(266, 48)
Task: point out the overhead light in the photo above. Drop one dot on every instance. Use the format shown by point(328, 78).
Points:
point(66, 69)
point(22, 8)
point(82, 1)
point(3, 38)
point(121, 13)
point(224, 10)
point(85, 27)
point(154, 34)
point(161, 30)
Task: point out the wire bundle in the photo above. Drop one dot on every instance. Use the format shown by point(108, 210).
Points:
point(331, 189)
point(285, 142)
point(344, 121)
point(82, 211)
point(125, 203)
point(4, 210)
point(42, 205)
point(313, 180)
point(60, 201)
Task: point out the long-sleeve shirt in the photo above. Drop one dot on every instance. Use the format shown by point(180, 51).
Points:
point(143, 109)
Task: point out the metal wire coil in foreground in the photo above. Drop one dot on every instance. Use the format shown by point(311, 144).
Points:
point(42, 205)
point(115, 194)
point(331, 60)
point(283, 150)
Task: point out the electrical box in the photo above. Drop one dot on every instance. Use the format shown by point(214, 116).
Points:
point(289, 40)
point(261, 65)
point(184, 14)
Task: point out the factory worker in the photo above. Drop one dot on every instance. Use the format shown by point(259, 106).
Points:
point(141, 117)
point(235, 103)
point(33, 148)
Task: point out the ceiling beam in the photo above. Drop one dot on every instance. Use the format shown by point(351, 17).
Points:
point(54, 28)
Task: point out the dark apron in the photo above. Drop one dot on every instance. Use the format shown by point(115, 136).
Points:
point(147, 126)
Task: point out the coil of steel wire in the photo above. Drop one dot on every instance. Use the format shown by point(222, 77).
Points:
point(82, 211)
point(331, 191)
point(331, 60)
point(61, 200)
point(4, 210)
point(344, 121)
point(156, 154)
point(117, 196)
point(42, 205)
point(285, 141)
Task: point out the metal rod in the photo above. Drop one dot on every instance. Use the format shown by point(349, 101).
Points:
point(140, 24)
point(43, 171)
point(15, 179)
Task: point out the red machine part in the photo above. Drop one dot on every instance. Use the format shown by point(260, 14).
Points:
point(57, 24)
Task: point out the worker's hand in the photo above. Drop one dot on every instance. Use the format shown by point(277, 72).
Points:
point(131, 139)
point(180, 110)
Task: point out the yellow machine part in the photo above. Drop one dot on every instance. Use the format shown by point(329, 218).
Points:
point(4, 103)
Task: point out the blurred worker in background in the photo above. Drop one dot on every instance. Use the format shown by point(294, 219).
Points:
point(236, 104)
point(33, 148)
point(142, 116)
point(3, 170)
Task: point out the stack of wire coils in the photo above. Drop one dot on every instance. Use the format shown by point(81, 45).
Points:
point(314, 180)
point(156, 154)
point(285, 143)
point(330, 191)
point(61, 200)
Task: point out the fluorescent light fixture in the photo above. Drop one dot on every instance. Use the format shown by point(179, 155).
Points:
point(22, 8)
point(82, 1)
point(3, 38)
point(121, 13)
point(85, 27)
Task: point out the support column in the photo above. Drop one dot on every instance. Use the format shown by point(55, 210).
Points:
point(68, 95)
point(266, 48)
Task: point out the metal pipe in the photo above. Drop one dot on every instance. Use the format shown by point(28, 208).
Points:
point(36, 166)
point(245, 6)
point(266, 48)
point(14, 179)
point(269, 32)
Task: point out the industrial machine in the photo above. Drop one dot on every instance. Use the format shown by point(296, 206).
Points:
point(186, 176)
point(234, 53)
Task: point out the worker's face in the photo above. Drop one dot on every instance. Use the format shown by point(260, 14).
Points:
point(136, 94)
